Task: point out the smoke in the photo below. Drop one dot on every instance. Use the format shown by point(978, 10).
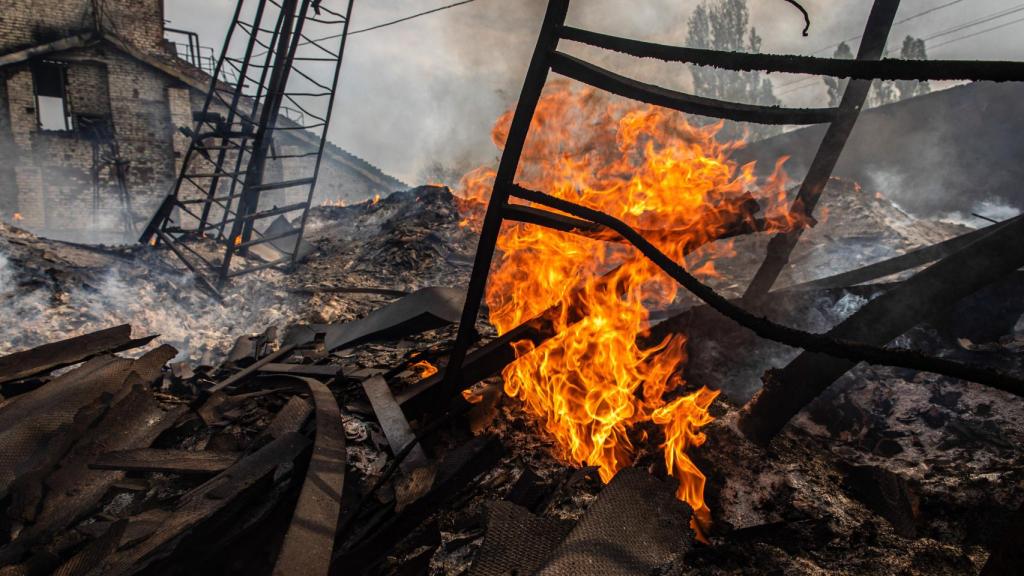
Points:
point(428, 90)
point(152, 301)
point(6, 276)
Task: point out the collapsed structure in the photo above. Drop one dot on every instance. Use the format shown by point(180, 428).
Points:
point(95, 108)
point(378, 441)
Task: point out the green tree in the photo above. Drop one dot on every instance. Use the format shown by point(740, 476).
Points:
point(725, 25)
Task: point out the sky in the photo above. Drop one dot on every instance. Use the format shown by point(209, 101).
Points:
point(428, 90)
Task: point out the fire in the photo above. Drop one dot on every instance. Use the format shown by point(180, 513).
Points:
point(238, 240)
point(18, 217)
point(426, 368)
point(592, 384)
point(471, 396)
point(376, 198)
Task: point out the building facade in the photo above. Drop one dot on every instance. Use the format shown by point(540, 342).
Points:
point(93, 100)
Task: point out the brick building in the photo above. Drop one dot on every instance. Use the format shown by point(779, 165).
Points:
point(82, 78)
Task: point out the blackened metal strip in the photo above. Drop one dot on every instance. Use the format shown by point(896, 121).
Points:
point(609, 81)
point(888, 69)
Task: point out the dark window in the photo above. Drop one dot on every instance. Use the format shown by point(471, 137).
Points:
point(51, 96)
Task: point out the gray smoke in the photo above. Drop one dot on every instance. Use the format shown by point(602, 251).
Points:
point(428, 91)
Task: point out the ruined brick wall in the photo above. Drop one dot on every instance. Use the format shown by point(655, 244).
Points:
point(59, 189)
point(57, 180)
point(8, 184)
point(25, 23)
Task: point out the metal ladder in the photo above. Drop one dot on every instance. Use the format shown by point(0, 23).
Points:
point(266, 114)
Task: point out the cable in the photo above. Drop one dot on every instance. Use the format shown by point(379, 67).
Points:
point(979, 32)
point(406, 18)
point(897, 23)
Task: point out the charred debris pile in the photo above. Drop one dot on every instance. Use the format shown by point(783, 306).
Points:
point(312, 440)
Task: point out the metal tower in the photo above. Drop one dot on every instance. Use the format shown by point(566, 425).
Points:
point(256, 146)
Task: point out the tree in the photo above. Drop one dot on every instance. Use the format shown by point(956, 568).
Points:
point(913, 49)
point(725, 25)
point(836, 86)
point(889, 91)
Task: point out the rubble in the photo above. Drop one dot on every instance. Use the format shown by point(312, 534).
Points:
point(890, 470)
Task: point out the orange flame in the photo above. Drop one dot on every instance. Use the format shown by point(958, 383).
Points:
point(376, 198)
point(471, 396)
point(238, 240)
point(18, 217)
point(592, 383)
point(426, 368)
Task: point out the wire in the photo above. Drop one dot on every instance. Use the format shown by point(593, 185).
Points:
point(897, 23)
point(407, 18)
point(979, 32)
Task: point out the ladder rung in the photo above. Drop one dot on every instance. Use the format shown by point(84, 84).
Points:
point(263, 266)
point(276, 211)
point(265, 239)
point(284, 184)
point(300, 127)
point(216, 175)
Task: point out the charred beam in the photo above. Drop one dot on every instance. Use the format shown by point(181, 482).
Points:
point(167, 461)
point(912, 259)
point(918, 299)
point(309, 541)
point(55, 355)
point(393, 422)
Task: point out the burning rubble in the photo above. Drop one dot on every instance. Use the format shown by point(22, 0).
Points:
point(886, 472)
point(835, 389)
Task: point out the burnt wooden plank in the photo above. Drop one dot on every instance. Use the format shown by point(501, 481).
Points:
point(309, 542)
point(171, 461)
point(248, 371)
point(392, 421)
point(158, 532)
point(314, 370)
point(55, 355)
